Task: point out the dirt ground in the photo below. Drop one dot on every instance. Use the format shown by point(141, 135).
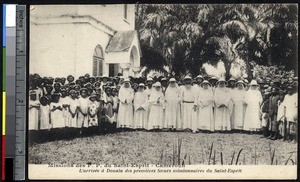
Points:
point(142, 147)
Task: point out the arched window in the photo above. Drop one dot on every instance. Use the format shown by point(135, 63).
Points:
point(98, 61)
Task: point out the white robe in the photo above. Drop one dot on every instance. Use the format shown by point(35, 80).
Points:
point(238, 108)
point(33, 115)
point(172, 111)
point(72, 122)
point(188, 113)
point(290, 103)
point(45, 117)
point(82, 120)
point(56, 116)
point(125, 115)
point(140, 110)
point(205, 103)
point(156, 110)
point(253, 100)
point(65, 111)
point(222, 114)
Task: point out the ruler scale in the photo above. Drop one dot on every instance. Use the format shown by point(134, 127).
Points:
point(20, 96)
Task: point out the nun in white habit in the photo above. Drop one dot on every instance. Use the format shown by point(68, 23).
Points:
point(188, 98)
point(252, 100)
point(156, 108)
point(223, 106)
point(172, 112)
point(140, 108)
point(126, 96)
point(205, 103)
point(238, 114)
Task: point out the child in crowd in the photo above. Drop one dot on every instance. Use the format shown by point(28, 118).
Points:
point(34, 106)
point(56, 116)
point(82, 120)
point(44, 117)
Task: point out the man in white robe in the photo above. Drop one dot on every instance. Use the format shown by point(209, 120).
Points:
point(188, 98)
point(126, 96)
point(238, 114)
point(140, 108)
point(252, 100)
point(172, 112)
point(204, 101)
point(156, 108)
point(223, 106)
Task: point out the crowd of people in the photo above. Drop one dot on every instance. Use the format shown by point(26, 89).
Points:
point(60, 107)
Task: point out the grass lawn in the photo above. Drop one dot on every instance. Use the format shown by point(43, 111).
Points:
point(142, 147)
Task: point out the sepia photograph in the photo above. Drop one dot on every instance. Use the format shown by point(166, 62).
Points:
point(163, 91)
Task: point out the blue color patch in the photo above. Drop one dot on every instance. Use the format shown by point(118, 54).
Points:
point(4, 26)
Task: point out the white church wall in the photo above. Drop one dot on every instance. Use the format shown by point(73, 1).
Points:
point(60, 50)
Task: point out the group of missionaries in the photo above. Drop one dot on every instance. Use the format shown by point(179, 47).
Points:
point(94, 105)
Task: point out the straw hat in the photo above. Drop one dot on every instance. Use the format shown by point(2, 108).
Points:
point(222, 80)
point(239, 82)
point(253, 82)
point(163, 79)
point(231, 79)
point(157, 84)
point(149, 80)
point(205, 82)
point(213, 78)
point(187, 77)
point(199, 76)
point(141, 85)
point(126, 80)
point(104, 76)
point(172, 80)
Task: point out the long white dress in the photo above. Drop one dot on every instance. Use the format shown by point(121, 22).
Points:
point(172, 111)
point(56, 116)
point(238, 108)
point(195, 121)
point(253, 100)
point(73, 120)
point(188, 113)
point(33, 115)
point(125, 115)
point(290, 103)
point(140, 109)
point(82, 121)
point(156, 110)
point(45, 117)
point(222, 114)
point(65, 111)
point(205, 103)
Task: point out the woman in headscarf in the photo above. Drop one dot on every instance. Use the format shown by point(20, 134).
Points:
point(172, 112)
point(238, 114)
point(125, 115)
point(156, 108)
point(253, 101)
point(140, 108)
point(204, 102)
point(223, 106)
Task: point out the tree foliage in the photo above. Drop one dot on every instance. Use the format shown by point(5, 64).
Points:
point(186, 36)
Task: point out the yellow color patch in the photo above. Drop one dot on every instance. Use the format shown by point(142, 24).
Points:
point(3, 113)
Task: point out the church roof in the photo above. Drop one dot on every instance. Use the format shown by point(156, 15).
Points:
point(121, 41)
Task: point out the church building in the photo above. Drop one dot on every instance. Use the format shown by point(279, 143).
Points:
point(79, 39)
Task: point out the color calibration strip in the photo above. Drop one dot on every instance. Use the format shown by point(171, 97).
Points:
point(8, 126)
point(3, 147)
